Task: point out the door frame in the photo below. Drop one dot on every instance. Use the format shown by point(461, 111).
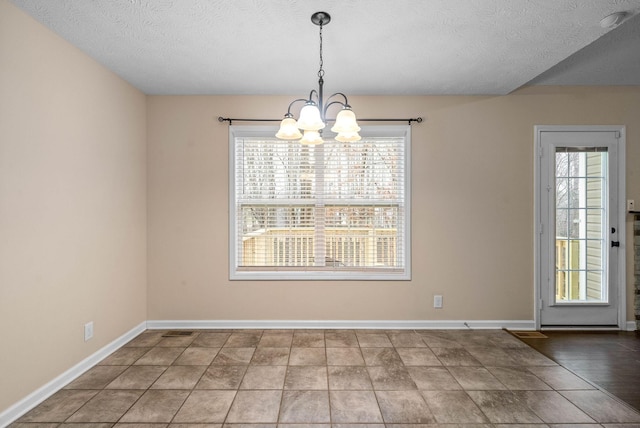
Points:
point(621, 287)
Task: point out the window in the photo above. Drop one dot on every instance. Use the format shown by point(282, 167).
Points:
point(330, 211)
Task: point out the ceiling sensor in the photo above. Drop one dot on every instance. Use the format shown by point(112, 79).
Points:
point(613, 20)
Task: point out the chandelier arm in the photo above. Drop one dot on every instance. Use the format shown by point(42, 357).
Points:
point(331, 103)
point(318, 97)
point(291, 105)
point(346, 101)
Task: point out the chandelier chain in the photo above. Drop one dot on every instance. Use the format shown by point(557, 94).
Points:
point(321, 70)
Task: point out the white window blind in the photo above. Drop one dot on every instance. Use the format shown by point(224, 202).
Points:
point(330, 211)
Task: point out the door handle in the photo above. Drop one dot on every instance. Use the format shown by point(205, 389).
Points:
point(615, 243)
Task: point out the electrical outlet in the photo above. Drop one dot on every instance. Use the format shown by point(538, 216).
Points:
point(437, 301)
point(88, 331)
point(631, 205)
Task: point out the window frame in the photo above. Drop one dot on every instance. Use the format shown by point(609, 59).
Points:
point(285, 273)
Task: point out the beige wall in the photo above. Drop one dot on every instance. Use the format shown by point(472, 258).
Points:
point(87, 163)
point(72, 205)
point(472, 232)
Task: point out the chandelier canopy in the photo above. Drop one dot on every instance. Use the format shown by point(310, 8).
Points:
point(313, 115)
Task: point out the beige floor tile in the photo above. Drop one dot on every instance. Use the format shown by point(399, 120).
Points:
point(222, 377)
point(192, 425)
point(135, 425)
point(439, 339)
point(106, 406)
point(371, 340)
point(381, 357)
point(49, 425)
point(503, 407)
point(433, 379)
point(255, 407)
point(195, 356)
point(211, 340)
point(474, 338)
point(177, 341)
point(156, 406)
point(392, 378)
point(264, 377)
point(124, 356)
point(234, 425)
point(529, 357)
point(518, 378)
point(491, 356)
point(552, 407)
point(455, 357)
point(404, 407)
point(137, 377)
point(276, 340)
point(306, 378)
point(243, 340)
point(271, 356)
point(159, 357)
point(453, 407)
point(59, 406)
point(507, 340)
point(179, 377)
point(475, 378)
point(406, 340)
point(97, 377)
point(340, 339)
point(146, 339)
point(577, 426)
point(349, 378)
point(234, 356)
point(308, 339)
point(205, 407)
point(305, 407)
point(352, 426)
point(344, 357)
point(559, 378)
point(354, 407)
point(81, 425)
point(308, 357)
point(418, 357)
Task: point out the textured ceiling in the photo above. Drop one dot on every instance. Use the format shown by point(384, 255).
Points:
point(372, 47)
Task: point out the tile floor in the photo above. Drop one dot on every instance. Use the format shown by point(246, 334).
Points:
point(356, 378)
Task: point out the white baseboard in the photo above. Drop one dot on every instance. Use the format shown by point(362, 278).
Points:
point(631, 326)
point(345, 324)
point(30, 401)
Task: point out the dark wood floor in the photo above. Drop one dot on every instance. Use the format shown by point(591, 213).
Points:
point(610, 360)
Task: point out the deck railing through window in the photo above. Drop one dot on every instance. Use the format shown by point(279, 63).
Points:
point(344, 247)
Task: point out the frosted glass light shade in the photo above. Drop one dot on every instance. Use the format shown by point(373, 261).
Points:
point(345, 122)
point(289, 129)
point(310, 119)
point(311, 138)
point(348, 137)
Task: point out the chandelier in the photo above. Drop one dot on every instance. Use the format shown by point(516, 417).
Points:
point(313, 115)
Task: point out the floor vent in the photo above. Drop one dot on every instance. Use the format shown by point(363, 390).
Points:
point(528, 334)
point(177, 333)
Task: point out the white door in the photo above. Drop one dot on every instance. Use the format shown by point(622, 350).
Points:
point(580, 230)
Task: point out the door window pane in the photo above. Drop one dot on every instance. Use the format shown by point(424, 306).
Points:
point(580, 225)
